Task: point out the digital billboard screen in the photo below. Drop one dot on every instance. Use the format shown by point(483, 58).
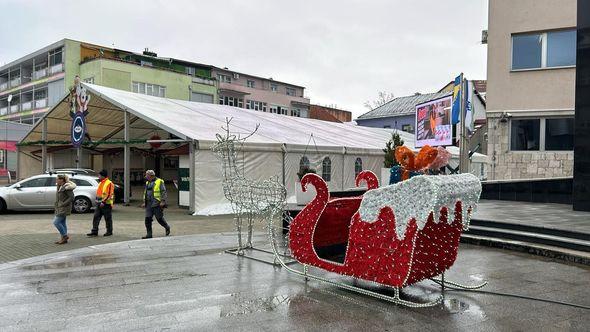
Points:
point(433, 122)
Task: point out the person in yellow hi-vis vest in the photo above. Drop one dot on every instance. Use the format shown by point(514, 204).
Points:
point(154, 201)
point(105, 196)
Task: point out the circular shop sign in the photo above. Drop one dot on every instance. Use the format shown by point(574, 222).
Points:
point(78, 130)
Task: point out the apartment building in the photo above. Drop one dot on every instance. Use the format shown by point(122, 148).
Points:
point(32, 84)
point(260, 94)
point(531, 88)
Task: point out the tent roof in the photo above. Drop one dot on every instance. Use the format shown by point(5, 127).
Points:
point(200, 121)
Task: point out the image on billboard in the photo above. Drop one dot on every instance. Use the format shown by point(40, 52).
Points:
point(433, 122)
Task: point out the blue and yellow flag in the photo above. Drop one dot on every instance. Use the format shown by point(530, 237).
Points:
point(456, 110)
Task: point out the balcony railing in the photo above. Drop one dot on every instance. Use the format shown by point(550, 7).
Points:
point(27, 106)
point(14, 108)
point(56, 68)
point(3, 110)
point(41, 103)
point(39, 73)
point(15, 82)
point(3, 86)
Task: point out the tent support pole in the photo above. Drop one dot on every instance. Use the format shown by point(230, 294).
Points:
point(78, 157)
point(44, 147)
point(191, 167)
point(126, 161)
point(17, 177)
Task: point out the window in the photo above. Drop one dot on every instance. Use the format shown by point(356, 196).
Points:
point(524, 135)
point(544, 50)
point(89, 80)
point(283, 110)
point(559, 134)
point(296, 112)
point(255, 105)
point(55, 57)
point(149, 89)
point(273, 109)
point(250, 83)
point(223, 78)
point(38, 182)
point(387, 126)
point(303, 164)
point(231, 101)
point(190, 71)
point(273, 87)
point(81, 183)
point(290, 92)
point(408, 128)
point(327, 169)
point(358, 166)
point(561, 48)
point(146, 63)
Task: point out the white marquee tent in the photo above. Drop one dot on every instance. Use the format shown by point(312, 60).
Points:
point(275, 149)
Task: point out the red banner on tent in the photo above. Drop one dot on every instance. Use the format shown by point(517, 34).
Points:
point(9, 145)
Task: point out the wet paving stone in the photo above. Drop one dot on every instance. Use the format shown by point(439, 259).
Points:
point(188, 283)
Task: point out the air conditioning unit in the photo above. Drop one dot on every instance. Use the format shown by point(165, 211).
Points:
point(236, 76)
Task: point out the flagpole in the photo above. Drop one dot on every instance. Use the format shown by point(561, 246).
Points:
point(462, 144)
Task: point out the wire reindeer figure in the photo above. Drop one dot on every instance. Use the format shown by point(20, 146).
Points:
point(249, 198)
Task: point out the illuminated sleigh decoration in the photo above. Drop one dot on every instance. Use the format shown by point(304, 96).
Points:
point(394, 236)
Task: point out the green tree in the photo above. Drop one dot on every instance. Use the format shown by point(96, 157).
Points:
point(389, 150)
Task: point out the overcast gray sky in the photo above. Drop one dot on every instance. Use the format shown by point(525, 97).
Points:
point(343, 51)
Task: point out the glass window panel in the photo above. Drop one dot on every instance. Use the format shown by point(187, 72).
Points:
point(524, 135)
point(526, 51)
point(561, 48)
point(327, 169)
point(358, 166)
point(559, 134)
point(142, 88)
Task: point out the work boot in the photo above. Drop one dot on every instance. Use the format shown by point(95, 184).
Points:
point(148, 228)
point(63, 240)
point(148, 236)
point(168, 231)
point(108, 234)
point(92, 234)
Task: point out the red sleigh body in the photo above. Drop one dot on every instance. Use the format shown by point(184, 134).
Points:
point(374, 251)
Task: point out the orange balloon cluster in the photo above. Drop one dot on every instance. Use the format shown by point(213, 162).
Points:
point(413, 163)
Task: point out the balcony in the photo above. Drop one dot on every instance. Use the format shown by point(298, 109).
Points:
point(15, 82)
point(58, 68)
point(14, 108)
point(27, 106)
point(39, 74)
point(3, 86)
point(3, 110)
point(41, 103)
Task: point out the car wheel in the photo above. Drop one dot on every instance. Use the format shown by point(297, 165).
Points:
point(82, 205)
point(2, 205)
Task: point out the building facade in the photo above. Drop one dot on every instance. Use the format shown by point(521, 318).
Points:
point(32, 84)
point(399, 113)
point(327, 113)
point(531, 88)
point(260, 94)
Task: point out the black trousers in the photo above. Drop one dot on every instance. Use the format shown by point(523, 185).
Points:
point(99, 212)
point(150, 213)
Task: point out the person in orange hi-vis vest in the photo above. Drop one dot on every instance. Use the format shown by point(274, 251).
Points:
point(105, 196)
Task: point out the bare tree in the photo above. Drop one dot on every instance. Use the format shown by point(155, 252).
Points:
point(382, 99)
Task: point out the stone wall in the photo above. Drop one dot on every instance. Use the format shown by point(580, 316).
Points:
point(506, 164)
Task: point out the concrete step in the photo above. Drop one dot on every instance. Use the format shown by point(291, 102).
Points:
point(530, 235)
point(560, 232)
point(556, 252)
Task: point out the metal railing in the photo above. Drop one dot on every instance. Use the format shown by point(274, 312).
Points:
point(15, 82)
point(58, 68)
point(38, 74)
point(3, 86)
point(27, 106)
point(41, 103)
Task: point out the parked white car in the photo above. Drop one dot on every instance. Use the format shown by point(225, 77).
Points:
point(38, 193)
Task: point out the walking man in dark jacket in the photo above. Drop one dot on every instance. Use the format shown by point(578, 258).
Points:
point(154, 201)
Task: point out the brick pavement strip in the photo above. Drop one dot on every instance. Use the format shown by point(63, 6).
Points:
point(31, 234)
